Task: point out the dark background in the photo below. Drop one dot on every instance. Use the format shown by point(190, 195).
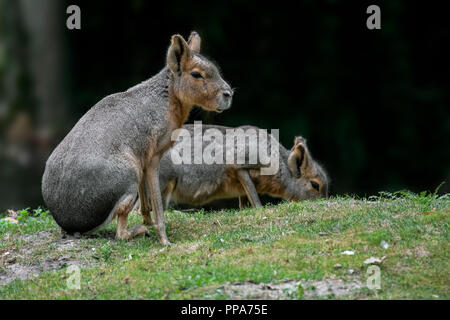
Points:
point(373, 104)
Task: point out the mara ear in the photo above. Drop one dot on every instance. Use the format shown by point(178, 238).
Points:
point(194, 42)
point(178, 54)
point(298, 160)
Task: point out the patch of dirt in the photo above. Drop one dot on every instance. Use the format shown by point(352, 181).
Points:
point(41, 252)
point(421, 252)
point(290, 288)
point(188, 247)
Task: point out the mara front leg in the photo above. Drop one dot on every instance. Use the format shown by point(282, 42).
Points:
point(144, 194)
point(144, 204)
point(156, 201)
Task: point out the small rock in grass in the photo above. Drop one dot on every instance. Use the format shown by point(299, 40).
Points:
point(348, 252)
point(351, 271)
point(384, 244)
point(337, 266)
point(323, 234)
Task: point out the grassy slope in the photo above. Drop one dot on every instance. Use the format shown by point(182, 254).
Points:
point(269, 244)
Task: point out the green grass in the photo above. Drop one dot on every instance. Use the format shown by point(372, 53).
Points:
point(300, 241)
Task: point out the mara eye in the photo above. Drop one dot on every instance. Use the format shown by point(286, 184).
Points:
point(197, 75)
point(315, 185)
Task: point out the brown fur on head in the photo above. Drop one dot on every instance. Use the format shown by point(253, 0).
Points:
point(196, 80)
point(306, 171)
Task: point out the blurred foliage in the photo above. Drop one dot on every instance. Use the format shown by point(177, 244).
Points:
point(373, 104)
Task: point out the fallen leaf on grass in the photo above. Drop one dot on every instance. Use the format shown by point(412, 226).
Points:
point(13, 214)
point(373, 260)
point(12, 220)
point(11, 260)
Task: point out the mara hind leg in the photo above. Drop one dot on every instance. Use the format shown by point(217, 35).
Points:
point(167, 194)
point(122, 211)
point(249, 187)
point(244, 202)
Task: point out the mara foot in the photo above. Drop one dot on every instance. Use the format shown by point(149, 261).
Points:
point(133, 232)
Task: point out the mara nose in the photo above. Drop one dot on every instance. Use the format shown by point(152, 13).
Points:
point(227, 94)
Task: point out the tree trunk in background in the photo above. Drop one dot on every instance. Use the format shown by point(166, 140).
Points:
point(33, 106)
point(44, 23)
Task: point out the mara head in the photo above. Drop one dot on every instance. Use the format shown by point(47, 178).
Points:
point(197, 81)
point(310, 178)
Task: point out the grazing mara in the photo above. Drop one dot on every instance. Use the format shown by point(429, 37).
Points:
point(299, 176)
